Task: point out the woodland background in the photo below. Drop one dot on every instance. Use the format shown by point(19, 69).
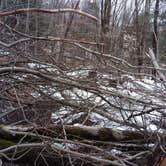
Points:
point(83, 82)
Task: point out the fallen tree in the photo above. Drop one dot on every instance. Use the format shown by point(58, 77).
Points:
point(82, 132)
point(63, 138)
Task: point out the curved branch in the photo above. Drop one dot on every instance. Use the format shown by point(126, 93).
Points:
point(25, 10)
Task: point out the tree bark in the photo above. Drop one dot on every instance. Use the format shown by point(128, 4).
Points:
point(155, 33)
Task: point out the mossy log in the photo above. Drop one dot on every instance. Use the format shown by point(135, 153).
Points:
point(6, 143)
point(14, 133)
point(98, 133)
point(31, 140)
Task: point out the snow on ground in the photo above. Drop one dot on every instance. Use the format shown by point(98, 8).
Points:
point(4, 53)
point(137, 89)
point(43, 67)
point(78, 73)
point(145, 90)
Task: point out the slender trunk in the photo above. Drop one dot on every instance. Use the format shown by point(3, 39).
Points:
point(67, 30)
point(105, 24)
point(27, 19)
point(137, 28)
point(155, 33)
point(145, 29)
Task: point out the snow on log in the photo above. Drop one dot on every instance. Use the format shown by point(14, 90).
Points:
point(73, 132)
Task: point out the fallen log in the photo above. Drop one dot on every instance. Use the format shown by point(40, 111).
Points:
point(73, 132)
point(55, 141)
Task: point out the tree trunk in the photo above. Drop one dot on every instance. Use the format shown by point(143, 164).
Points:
point(155, 33)
point(105, 24)
point(145, 30)
point(137, 29)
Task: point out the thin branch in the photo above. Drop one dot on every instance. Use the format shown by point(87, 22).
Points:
point(49, 38)
point(13, 43)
